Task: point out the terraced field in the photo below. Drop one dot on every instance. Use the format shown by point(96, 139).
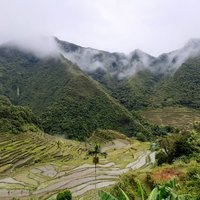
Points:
point(31, 148)
point(39, 166)
point(175, 116)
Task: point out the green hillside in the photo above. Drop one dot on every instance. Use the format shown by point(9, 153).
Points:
point(169, 79)
point(134, 93)
point(66, 100)
point(147, 90)
point(15, 119)
point(182, 88)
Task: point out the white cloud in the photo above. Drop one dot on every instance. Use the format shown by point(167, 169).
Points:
point(155, 26)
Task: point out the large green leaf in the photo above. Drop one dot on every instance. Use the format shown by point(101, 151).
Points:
point(106, 196)
point(154, 194)
point(141, 191)
point(124, 195)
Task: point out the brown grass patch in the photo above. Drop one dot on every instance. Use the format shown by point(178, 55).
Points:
point(167, 174)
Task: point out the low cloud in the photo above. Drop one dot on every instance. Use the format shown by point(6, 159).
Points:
point(124, 66)
point(84, 58)
point(40, 46)
point(116, 64)
point(170, 62)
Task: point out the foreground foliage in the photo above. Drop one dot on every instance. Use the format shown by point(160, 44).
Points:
point(160, 192)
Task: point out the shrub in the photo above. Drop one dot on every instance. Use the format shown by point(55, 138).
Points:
point(64, 195)
point(177, 145)
point(161, 158)
point(141, 137)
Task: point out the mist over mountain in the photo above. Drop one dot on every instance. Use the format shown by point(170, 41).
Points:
point(124, 66)
point(116, 64)
point(132, 79)
point(39, 46)
point(170, 62)
point(135, 79)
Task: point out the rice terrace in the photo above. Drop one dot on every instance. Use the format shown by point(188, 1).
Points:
point(57, 164)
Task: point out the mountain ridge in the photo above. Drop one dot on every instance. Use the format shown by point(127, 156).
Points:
point(67, 101)
point(126, 65)
point(133, 79)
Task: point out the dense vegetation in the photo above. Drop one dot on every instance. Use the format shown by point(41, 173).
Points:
point(15, 119)
point(178, 145)
point(65, 99)
point(165, 191)
point(64, 195)
point(182, 88)
point(146, 89)
point(133, 92)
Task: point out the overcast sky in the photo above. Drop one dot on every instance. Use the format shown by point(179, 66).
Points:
point(154, 26)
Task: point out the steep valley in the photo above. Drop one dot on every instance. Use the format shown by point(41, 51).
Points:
point(90, 120)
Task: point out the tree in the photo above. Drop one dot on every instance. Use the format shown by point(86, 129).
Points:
point(96, 153)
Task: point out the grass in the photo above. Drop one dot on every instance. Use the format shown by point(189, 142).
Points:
point(123, 155)
point(23, 177)
point(179, 117)
point(44, 150)
point(90, 195)
point(5, 167)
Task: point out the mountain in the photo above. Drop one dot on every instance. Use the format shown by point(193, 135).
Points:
point(122, 75)
point(76, 99)
point(115, 64)
point(139, 80)
point(125, 66)
point(66, 100)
